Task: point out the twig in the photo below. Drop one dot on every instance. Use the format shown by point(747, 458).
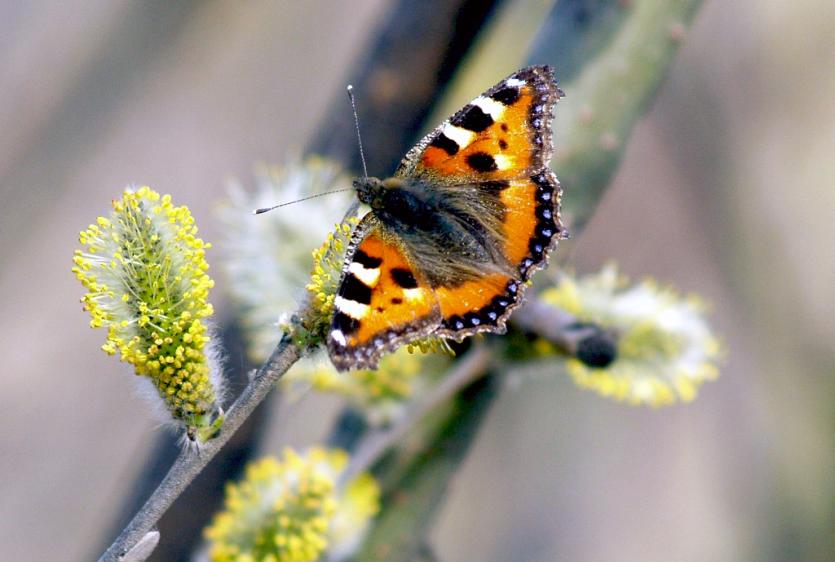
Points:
point(551, 323)
point(191, 461)
point(416, 478)
point(586, 341)
point(558, 326)
point(376, 443)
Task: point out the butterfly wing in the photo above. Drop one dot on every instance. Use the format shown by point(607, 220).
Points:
point(382, 301)
point(530, 229)
point(489, 164)
point(504, 133)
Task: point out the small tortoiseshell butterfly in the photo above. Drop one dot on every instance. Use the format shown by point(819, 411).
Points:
point(471, 213)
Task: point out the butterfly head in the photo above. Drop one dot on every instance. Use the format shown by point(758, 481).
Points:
point(372, 191)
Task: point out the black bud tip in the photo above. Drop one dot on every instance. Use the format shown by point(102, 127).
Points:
point(597, 350)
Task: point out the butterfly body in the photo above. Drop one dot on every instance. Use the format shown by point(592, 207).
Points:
point(443, 231)
point(471, 212)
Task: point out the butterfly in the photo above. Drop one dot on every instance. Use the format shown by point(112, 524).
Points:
point(452, 238)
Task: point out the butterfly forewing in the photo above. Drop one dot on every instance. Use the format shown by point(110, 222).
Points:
point(502, 134)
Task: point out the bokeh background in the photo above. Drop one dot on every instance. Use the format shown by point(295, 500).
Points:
point(727, 189)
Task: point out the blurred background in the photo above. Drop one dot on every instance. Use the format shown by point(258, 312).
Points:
point(727, 189)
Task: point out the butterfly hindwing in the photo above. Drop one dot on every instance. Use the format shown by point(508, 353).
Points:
point(481, 305)
point(382, 300)
point(530, 232)
point(502, 134)
point(533, 228)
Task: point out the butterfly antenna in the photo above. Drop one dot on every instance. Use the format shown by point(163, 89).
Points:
point(357, 125)
point(265, 209)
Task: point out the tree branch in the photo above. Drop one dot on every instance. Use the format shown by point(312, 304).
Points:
point(192, 460)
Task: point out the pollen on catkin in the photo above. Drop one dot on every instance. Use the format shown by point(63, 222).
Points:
point(292, 509)
point(324, 281)
point(665, 347)
point(144, 269)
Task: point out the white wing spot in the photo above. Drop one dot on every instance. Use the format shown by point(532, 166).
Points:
point(491, 107)
point(515, 82)
point(503, 161)
point(339, 337)
point(413, 294)
point(354, 309)
point(369, 276)
point(461, 136)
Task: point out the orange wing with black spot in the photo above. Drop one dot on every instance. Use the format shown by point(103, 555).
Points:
point(383, 301)
point(501, 145)
point(503, 134)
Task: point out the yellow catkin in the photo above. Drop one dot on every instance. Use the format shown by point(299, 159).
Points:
point(289, 509)
point(665, 348)
point(144, 269)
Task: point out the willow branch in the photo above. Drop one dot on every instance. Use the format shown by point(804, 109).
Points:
point(583, 340)
point(548, 322)
point(416, 475)
point(192, 460)
point(375, 443)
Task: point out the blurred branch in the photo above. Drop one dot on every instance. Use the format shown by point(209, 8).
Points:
point(548, 322)
point(614, 55)
point(416, 477)
point(192, 460)
point(585, 341)
point(413, 56)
